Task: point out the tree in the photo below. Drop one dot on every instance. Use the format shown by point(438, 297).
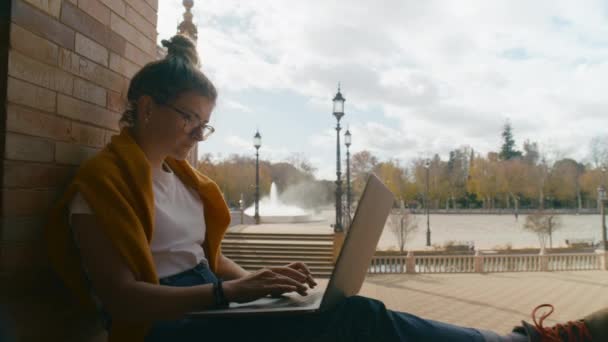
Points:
point(512, 180)
point(598, 147)
point(438, 181)
point(483, 180)
point(205, 166)
point(531, 153)
point(564, 181)
point(537, 185)
point(403, 225)
point(301, 162)
point(285, 174)
point(392, 176)
point(457, 172)
point(590, 180)
point(507, 150)
point(235, 175)
point(362, 165)
point(543, 226)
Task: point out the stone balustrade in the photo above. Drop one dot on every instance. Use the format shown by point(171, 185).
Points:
point(487, 263)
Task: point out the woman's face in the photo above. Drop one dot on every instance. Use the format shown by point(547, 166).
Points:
point(176, 125)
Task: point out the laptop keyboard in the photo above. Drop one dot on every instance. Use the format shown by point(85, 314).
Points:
point(297, 300)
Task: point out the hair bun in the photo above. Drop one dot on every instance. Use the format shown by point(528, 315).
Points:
point(183, 47)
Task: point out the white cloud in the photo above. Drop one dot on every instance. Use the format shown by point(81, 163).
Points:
point(267, 152)
point(235, 105)
point(448, 73)
point(238, 143)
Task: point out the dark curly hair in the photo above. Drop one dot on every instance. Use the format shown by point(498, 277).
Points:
point(164, 80)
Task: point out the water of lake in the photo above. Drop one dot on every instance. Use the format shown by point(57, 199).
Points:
point(490, 231)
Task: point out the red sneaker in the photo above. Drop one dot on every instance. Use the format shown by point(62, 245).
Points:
point(572, 331)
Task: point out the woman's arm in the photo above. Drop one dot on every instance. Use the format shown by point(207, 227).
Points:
point(228, 269)
point(121, 294)
point(125, 298)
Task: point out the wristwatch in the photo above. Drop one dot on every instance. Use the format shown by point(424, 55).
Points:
point(218, 294)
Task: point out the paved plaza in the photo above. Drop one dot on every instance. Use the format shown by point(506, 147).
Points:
point(495, 301)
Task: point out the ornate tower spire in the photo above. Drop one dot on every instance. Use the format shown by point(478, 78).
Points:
point(187, 27)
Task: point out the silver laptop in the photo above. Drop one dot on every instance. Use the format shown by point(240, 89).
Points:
point(350, 269)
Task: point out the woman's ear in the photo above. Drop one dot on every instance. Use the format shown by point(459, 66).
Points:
point(145, 104)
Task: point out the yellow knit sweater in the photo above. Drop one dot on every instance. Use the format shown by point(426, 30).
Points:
point(117, 184)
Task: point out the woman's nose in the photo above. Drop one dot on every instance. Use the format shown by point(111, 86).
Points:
point(197, 133)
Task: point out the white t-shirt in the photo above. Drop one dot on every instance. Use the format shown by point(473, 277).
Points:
point(179, 223)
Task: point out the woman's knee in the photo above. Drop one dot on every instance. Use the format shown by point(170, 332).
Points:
point(360, 304)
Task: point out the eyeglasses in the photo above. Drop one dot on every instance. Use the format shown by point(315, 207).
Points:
point(192, 122)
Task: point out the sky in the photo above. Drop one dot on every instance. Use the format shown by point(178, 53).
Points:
point(419, 77)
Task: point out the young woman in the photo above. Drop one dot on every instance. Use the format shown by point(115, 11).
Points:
point(137, 235)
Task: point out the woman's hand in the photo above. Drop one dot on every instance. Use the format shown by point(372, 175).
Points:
point(297, 271)
point(265, 282)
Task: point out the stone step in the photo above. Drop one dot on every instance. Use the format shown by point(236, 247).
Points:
point(283, 261)
point(275, 254)
point(322, 265)
point(315, 273)
point(320, 257)
point(282, 241)
point(264, 249)
point(256, 245)
point(272, 256)
point(258, 250)
point(313, 269)
point(303, 251)
point(267, 236)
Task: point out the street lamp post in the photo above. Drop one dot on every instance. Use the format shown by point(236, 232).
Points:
point(347, 142)
point(257, 143)
point(242, 207)
point(601, 195)
point(338, 113)
point(427, 166)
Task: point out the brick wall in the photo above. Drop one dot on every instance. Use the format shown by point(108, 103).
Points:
point(64, 75)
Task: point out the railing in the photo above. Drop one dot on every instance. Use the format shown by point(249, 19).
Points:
point(512, 263)
point(444, 264)
point(484, 263)
point(388, 264)
point(575, 262)
point(502, 211)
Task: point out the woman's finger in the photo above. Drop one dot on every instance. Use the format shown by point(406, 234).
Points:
point(278, 292)
point(292, 273)
point(283, 280)
point(300, 266)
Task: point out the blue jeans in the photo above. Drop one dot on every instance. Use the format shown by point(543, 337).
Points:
point(354, 319)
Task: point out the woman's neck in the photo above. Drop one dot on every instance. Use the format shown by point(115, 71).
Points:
point(154, 158)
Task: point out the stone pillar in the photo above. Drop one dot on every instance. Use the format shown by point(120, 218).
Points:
point(478, 262)
point(544, 260)
point(338, 242)
point(410, 263)
point(603, 256)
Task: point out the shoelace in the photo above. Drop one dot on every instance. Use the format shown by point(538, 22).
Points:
point(552, 334)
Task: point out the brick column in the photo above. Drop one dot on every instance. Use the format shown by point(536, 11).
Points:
point(66, 75)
